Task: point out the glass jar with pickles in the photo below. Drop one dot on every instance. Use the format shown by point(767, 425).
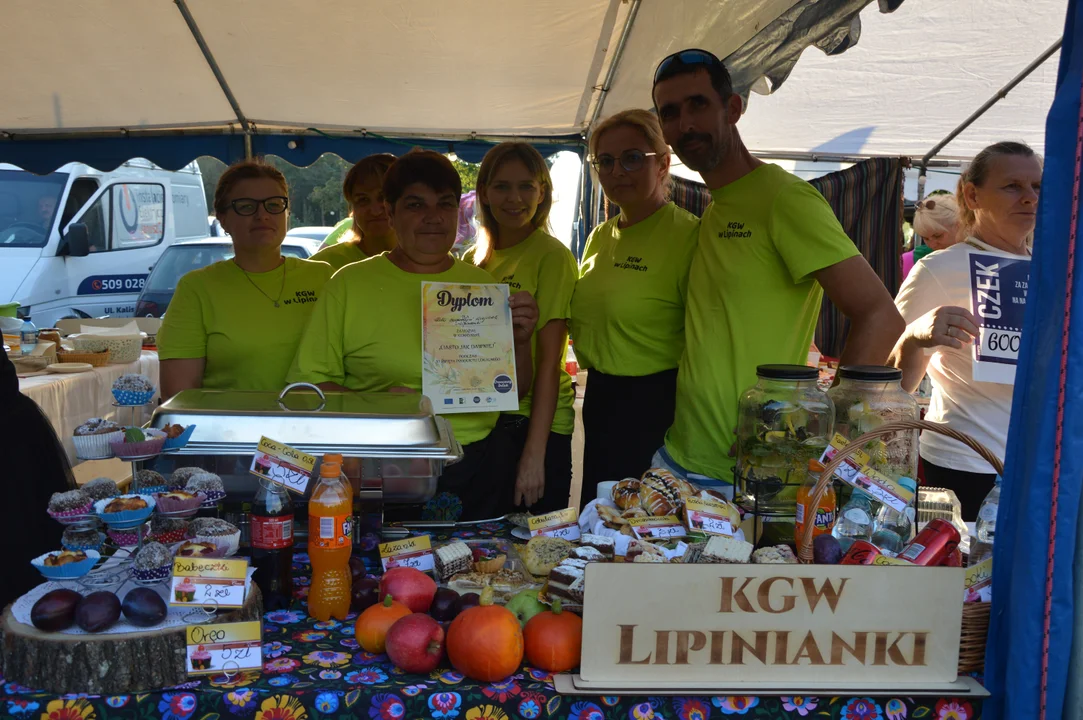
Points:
point(784, 421)
point(868, 396)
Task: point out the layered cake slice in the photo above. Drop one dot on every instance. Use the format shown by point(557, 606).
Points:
point(454, 558)
point(726, 550)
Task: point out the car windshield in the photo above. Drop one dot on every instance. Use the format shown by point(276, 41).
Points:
point(180, 259)
point(28, 207)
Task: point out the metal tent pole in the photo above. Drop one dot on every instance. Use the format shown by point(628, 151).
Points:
point(182, 5)
point(981, 111)
point(618, 53)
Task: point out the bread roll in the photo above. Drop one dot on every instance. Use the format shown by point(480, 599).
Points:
point(626, 493)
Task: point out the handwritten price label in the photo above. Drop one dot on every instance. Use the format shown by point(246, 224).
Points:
point(562, 524)
point(208, 582)
point(414, 552)
point(658, 528)
point(226, 648)
point(855, 471)
point(282, 464)
point(709, 517)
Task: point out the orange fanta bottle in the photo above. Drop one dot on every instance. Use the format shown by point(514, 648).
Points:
point(823, 515)
point(330, 540)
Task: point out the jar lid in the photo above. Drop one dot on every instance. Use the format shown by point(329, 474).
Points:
point(874, 373)
point(787, 372)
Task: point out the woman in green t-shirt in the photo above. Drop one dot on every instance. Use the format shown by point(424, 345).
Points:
point(365, 333)
point(370, 232)
point(234, 324)
point(515, 194)
point(627, 314)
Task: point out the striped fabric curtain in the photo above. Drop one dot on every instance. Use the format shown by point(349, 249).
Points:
point(868, 200)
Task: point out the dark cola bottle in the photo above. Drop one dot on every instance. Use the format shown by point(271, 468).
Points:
point(272, 544)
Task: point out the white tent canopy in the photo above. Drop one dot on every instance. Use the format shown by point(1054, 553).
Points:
point(915, 75)
point(425, 68)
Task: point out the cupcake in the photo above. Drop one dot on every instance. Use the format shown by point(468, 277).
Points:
point(201, 659)
point(70, 505)
point(168, 530)
point(154, 561)
point(66, 564)
point(177, 436)
point(198, 550)
point(100, 489)
point(178, 479)
point(125, 511)
point(226, 536)
point(76, 538)
point(133, 390)
point(178, 503)
point(487, 560)
point(207, 484)
point(150, 482)
point(92, 438)
point(138, 443)
point(128, 538)
point(185, 591)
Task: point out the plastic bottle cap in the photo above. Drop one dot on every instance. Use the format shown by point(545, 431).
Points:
point(815, 466)
point(909, 483)
point(330, 469)
point(333, 457)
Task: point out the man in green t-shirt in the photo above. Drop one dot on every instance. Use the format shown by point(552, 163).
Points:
point(769, 246)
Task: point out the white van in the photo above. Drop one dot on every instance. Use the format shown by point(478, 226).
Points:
point(79, 243)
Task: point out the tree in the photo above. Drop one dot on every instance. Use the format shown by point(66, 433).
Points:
point(468, 173)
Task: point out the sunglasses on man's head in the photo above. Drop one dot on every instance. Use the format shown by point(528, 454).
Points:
point(927, 204)
point(692, 56)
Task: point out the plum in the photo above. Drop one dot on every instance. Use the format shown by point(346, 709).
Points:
point(55, 610)
point(97, 611)
point(144, 607)
point(446, 604)
point(826, 550)
point(365, 593)
point(357, 568)
point(469, 600)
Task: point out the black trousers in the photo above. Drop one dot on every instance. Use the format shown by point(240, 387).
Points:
point(558, 466)
point(971, 488)
point(625, 420)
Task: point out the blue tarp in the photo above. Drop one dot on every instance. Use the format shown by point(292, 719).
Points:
point(1030, 639)
point(174, 151)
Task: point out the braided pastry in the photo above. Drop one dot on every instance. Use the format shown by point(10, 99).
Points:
point(660, 492)
point(626, 493)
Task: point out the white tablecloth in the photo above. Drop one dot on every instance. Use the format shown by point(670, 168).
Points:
point(68, 400)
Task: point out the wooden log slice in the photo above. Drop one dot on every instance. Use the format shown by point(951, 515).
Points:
point(102, 664)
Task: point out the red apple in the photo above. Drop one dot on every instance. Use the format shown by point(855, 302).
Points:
point(415, 643)
point(409, 586)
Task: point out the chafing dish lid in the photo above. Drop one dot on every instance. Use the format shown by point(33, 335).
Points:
point(399, 425)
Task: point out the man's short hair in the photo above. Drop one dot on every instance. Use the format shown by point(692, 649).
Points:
point(689, 61)
point(427, 167)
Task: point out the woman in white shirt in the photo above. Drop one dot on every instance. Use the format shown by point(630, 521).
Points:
point(998, 202)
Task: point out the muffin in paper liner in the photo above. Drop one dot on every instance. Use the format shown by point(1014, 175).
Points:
point(168, 531)
point(124, 519)
point(96, 447)
point(181, 440)
point(75, 514)
point(70, 571)
point(151, 446)
point(178, 507)
point(128, 538)
point(153, 562)
point(228, 545)
point(211, 497)
point(133, 397)
point(91, 540)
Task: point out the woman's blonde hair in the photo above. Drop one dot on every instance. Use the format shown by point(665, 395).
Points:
point(535, 165)
point(938, 213)
point(647, 124)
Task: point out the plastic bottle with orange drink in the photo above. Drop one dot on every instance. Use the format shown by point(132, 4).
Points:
point(823, 515)
point(330, 541)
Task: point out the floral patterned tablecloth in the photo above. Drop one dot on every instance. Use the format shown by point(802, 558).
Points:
point(315, 670)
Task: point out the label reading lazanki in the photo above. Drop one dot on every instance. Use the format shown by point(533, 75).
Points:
point(414, 552)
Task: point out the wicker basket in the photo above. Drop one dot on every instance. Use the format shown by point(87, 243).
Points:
point(975, 615)
point(99, 359)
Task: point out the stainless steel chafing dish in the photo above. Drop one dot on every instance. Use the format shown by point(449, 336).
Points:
point(401, 445)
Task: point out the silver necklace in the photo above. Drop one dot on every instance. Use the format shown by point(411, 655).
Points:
point(257, 287)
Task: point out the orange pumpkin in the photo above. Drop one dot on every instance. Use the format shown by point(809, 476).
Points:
point(485, 642)
point(554, 640)
point(372, 625)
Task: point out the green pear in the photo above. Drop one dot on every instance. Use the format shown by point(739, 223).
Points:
point(525, 605)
